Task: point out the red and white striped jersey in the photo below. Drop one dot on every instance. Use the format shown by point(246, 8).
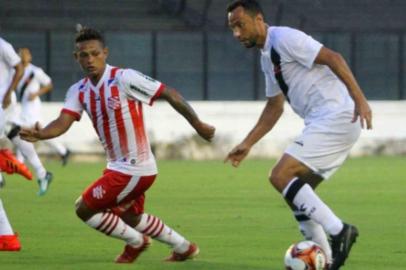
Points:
point(114, 106)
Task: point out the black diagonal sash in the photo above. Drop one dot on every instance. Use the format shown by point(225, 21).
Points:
point(276, 60)
point(25, 85)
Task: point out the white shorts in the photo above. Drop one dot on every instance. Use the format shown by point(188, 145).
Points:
point(325, 144)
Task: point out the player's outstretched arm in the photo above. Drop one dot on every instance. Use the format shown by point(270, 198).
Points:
point(57, 127)
point(270, 115)
point(176, 100)
point(339, 66)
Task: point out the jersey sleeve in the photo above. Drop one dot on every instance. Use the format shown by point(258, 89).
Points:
point(10, 56)
point(299, 46)
point(139, 86)
point(42, 77)
point(73, 103)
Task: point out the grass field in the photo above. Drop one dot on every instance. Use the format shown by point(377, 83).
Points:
point(239, 222)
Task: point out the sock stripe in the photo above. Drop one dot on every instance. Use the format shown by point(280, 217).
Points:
point(301, 217)
point(159, 230)
point(114, 225)
point(108, 224)
point(105, 218)
point(156, 228)
point(294, 189)
point(150, 225)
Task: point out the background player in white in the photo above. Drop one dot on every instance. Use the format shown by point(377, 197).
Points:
point(33, 84)
point(321, 89)
point(8, 163)
point(10, 73)
point(113, 98)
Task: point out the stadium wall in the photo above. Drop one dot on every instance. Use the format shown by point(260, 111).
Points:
point(172, 137)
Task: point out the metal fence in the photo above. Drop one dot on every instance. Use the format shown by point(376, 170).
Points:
point(211, 65)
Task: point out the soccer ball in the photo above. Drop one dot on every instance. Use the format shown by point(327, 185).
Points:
point(305, 255)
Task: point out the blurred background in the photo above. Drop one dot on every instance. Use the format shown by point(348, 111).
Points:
point(187, 44)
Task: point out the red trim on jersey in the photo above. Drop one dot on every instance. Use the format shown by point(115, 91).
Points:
point(138, 123)
point(157, 94)
point(113, 72)
point(93, 110)
point(106, 125)
point(72, 113)
point(118, 114)
point(81, 97)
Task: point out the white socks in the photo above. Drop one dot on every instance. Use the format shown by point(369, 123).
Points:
point(155, 228)
point(28, 151)
point(314, 232)
point(112, 225)
point(5, 227)
point(307, 202)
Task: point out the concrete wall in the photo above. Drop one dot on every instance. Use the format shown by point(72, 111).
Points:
point(172, 137)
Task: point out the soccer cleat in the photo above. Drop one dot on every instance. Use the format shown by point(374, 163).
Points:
point(10, 164)
point(44, 183)
point(9, 243)
point(191, 253)
point(341, 245)
point(130, 254)
point(65, 157)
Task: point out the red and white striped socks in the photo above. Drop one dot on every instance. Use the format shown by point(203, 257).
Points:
point(155, 228)
point(112, 225)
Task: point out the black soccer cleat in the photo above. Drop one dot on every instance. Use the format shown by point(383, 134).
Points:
point(341, 245)
point(65, 158)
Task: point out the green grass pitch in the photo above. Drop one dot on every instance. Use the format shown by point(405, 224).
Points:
point(234, 215)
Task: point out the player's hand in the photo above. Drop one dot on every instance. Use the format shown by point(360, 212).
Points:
point(205, 131)
point(32, 96)
point(6, 101)
point(237, 154)
point(31, 134)
point(364, 113)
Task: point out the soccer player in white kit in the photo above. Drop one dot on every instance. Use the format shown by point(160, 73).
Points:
point(113, 97)
point(33, 84)
point(322, 90)
point(8, 163)
point(10, 73)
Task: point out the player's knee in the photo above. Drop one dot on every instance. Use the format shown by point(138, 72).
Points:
point(82, 211)
point(277, 179)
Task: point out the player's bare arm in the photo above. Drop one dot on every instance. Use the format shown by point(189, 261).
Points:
point(19, 70)
point(339, 66)
point(176, 100)
point(54, 129)
point(269, 117)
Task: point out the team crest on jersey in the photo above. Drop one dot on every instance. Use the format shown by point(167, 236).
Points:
point(114, 103)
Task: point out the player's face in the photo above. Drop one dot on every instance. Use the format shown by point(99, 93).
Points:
point(244, 27)
point(91, 56)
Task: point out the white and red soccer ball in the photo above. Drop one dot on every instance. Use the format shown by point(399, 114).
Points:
point(305, 255)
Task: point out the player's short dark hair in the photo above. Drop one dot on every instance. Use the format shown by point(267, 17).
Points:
point(86, 33)
point(252, 7)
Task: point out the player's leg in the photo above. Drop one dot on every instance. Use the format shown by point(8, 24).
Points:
point(44, 178)
point(63, 152)
point(8, 240)
point(310, 229)
point(154, 227)
point(93, 207)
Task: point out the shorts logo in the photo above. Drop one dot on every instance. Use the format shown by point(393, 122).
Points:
point(299, 143)
point(114, 103)
point(98, 192)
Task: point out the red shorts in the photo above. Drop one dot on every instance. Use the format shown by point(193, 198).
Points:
point(118, 191)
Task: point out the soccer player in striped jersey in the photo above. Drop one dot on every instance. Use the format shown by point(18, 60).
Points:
point(321, 89)
point(113, 98)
